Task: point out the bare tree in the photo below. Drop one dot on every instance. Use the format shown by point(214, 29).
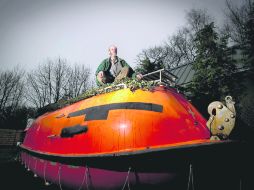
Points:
point(240, 27)
point(179, 48)
point(238, 18)
point(36, 91)
point(11, 90)
point(55, 80)
point(182, 48)
point(78, 81)
point(60, 79)
point(155, 54)
point(197, 19)
point(182, 44)
point(40, 90)
point(151, 59)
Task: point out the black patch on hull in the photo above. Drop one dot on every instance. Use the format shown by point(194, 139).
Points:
point(74, 130)
point(101, 112)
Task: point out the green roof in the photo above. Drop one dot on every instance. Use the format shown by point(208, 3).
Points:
point(184, 73)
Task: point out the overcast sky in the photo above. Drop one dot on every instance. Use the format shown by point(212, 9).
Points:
point(81, 31)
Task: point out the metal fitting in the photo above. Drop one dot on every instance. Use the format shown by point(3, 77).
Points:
point(220, 106)
point(221, 127)
point(232, 116)
point(226, 120)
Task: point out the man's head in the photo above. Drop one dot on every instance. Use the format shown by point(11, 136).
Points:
point(112, 50)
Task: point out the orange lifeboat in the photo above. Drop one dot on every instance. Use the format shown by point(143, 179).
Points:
point(114, 139)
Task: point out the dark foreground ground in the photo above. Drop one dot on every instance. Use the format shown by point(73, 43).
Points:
point(14, 176)
point(235, 172)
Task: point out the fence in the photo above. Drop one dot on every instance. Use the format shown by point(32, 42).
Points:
point(8, 142)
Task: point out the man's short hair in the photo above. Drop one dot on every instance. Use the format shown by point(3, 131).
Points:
point(112, 46)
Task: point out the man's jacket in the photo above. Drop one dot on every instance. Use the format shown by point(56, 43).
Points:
point(106, 65)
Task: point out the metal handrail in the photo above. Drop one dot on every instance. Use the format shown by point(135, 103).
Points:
point(153, 72)
point(161, 75)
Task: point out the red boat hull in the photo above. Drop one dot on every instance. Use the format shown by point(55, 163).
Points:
point(118, 135)
point(83, 177)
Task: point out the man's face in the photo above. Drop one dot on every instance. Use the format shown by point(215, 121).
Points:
point(113, 51)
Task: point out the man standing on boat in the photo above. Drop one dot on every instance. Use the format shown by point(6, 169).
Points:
point(114, 68)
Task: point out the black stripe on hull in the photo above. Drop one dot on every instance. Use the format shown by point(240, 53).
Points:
point(101, 112)
point(149, 160)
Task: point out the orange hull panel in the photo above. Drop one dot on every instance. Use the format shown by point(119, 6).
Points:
point(120, 121)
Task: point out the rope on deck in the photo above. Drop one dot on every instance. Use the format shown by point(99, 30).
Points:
point(44, 174)
point(59, 176)
point(127, 180)
point(88, 176)
point(84, 178)
point(35, 166)
point(191, 179)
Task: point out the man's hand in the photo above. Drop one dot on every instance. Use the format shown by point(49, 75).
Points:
point(100, 77)
point(139, 76)
point(100, 74)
